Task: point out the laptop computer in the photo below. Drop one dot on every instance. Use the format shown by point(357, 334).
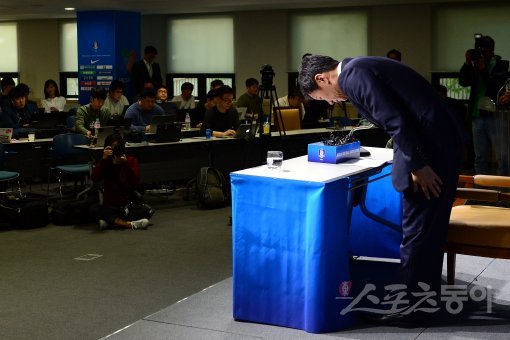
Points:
point(5, 135)
point(168, 133)
point(244, 131)
point(105, 131)
point(119, 121)
point(43, 121)
point(169, 107)
point(160, 119)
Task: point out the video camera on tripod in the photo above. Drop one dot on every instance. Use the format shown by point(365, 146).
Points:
point(267, 73)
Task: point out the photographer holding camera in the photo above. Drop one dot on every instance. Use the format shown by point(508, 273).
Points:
point(486, 73)
point(119, 175)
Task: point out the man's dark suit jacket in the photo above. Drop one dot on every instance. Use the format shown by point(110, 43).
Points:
point(395, 97)
point(140, 75)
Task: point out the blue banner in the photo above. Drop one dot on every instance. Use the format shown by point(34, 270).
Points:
point(108, 43)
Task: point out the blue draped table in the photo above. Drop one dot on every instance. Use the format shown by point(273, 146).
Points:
point(291, 243)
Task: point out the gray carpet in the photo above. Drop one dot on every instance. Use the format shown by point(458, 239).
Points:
point(47, 293)
point(208, 314)
point(172, 281)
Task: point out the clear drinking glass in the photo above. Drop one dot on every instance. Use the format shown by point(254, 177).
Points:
point(274, 159)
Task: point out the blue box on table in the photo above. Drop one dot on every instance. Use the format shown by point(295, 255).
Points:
point(318, 152)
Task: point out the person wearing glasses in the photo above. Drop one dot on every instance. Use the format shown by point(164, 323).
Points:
point(222, 119)
point(116, 102)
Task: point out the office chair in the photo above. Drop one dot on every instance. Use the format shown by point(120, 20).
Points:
point(291, 117)
point(479, 230)
point(69, 161)
point(7, 176)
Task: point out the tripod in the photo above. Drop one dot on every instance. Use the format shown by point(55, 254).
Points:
point(268, 91)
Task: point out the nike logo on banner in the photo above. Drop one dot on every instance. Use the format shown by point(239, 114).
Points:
point(94, 61)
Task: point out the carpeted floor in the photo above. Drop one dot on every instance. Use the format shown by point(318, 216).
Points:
point(75, 282)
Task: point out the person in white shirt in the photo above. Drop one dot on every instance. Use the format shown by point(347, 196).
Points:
point(53, 101)
point(186, 99)
point(293, 99)
point(116, 101)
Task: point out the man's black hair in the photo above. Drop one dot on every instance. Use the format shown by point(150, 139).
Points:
point(225, 89)
point(24, 87)
point(116, 85)
point(212, 94)
point(98, 93)
point(216, 83)
point(148, 93)
point(150, 50)
point(187, 86)
point(17, 92)
point(7, 81)
point(251, 81)
point(310, 66)
point(395, 52)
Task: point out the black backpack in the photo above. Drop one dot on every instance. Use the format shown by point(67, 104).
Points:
point(24, 212)
point(211, 188)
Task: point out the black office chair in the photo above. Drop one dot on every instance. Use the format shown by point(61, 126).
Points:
point(7, 176)
point(69, 161)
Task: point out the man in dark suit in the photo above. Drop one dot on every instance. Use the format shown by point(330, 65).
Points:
point(146, 70)
point(427, 149)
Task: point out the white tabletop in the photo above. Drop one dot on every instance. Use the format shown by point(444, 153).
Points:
point(301, 170)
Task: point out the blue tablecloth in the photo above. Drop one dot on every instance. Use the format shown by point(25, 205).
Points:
point(291, 248)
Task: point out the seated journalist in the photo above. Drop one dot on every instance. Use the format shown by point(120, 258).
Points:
point(141, 112)
point(17, 112)
point(87, 114)
point(222, 119)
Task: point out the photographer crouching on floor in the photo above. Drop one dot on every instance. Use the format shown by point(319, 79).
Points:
point(119, 175)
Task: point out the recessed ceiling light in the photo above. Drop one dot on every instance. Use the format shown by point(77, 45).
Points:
point(69, 8)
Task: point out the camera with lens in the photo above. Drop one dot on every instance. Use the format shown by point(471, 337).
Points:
point(119, 150)
point(267, 73)
point(477, 52)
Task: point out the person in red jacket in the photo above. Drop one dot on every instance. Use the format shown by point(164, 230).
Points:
point(119, 175)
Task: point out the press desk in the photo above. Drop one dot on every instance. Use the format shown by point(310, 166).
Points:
point(291, 243)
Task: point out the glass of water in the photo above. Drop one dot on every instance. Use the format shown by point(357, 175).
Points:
point(274, 160)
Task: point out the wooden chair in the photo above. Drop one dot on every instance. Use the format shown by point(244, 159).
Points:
point(479, 230)
point(291, 117)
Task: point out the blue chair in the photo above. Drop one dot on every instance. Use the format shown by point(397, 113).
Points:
point(68, 160)
point(7, 176)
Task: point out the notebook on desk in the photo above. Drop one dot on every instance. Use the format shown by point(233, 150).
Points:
point(168, 133)
point(5, 135)
point(160, 119)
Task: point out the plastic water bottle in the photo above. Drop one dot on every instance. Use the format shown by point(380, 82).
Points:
point(97, 125)
point(187, 122)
